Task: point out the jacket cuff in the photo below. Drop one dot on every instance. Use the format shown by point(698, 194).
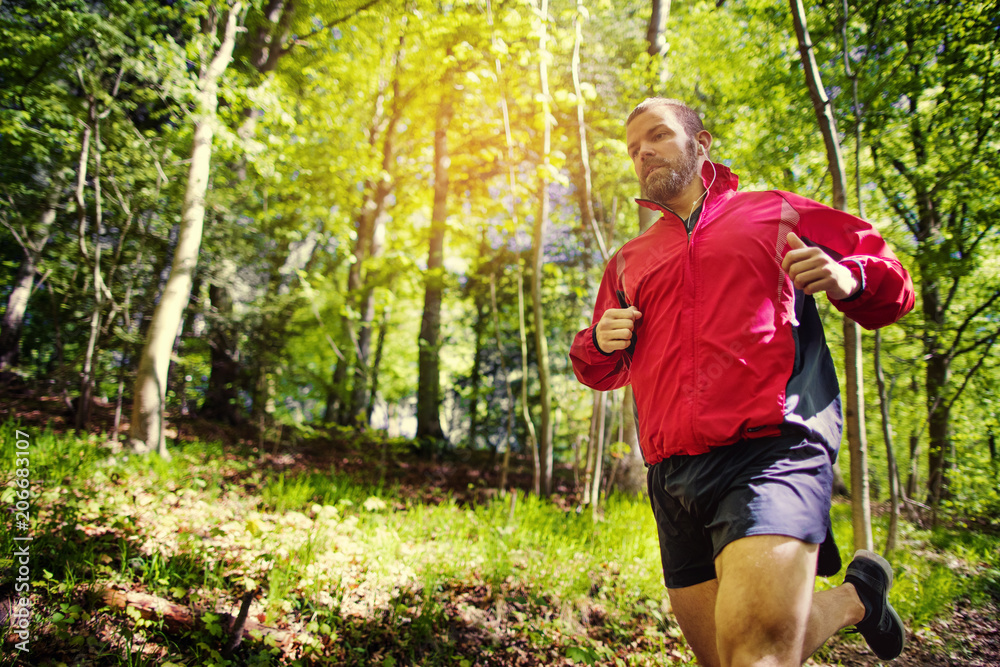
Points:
point(858, 270)
point(593, 337)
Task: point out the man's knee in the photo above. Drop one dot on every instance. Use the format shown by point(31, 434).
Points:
point(762, 630)
point(765, 592)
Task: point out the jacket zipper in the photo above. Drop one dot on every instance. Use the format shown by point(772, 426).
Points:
point(695, 314)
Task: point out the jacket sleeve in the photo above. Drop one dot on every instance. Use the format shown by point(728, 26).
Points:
point(592, 366)
point(885, 290)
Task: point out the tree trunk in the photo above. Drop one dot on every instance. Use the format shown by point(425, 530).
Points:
point(855, 399)
point(586, 194)
point(429, 386)
point(658, 47)
point(536, 484)
point(372, 249)
point(854, 417)
point(631, 473)
point(913, 479)
point(349, 408)
point(890, 457)
point(362, 362)
point(537, 254)
point(596, 443)
point(17, 303)
point(86, 397)
point(937, 375)
point(505, 469)
point(149, 396)
point(598, 469)
point(270, 40)
point(335, 398)
point(379, 347)
point(475, 373)
point(222, 394)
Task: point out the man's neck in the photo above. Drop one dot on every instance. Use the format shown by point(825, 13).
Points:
point(689, 199)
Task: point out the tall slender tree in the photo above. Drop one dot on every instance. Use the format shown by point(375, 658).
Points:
point(342, 405)
point(149, 396)
point(537, 260)
point(855, 403)
point(32, 244)
point(429, 385)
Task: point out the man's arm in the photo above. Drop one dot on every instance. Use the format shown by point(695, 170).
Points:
point(812, 271)
point(881, 291)
point(599, 352)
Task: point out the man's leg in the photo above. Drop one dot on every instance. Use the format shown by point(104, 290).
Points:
point(766, 613)
point(694, 609)
point(832, 610)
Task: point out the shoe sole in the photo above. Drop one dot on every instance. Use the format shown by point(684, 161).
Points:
point(878, 560)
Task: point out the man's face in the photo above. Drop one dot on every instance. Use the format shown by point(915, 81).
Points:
point(664, 156)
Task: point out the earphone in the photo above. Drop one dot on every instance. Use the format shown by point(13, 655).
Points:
point(704, 194)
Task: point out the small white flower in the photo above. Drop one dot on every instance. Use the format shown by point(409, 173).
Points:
point(374, 504)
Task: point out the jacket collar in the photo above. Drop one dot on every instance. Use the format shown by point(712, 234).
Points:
point(717, 179)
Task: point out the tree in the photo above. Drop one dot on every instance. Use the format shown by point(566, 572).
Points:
point(149, 395)
point(537, 255)
point(428, 387)
point(370, 219)
point(933, 100)
point(32, 244)
point(658, 46)
point(861, 509)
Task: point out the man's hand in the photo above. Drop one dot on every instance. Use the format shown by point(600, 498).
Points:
point(614, 330)
point(812, 270)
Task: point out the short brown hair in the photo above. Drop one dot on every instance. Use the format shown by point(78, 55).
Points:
point(687, 116)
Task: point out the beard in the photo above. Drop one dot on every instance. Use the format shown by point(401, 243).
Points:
point(669, 182)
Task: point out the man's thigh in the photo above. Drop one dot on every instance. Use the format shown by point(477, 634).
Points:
point(765, 586)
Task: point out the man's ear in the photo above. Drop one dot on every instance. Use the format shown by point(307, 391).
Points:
point(704, 139)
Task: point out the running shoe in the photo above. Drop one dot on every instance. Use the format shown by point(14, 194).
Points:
point(881, 627)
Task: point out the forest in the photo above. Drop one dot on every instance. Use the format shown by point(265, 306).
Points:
point(288, 289)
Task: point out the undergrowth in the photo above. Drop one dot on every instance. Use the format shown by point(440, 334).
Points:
point(362, 574)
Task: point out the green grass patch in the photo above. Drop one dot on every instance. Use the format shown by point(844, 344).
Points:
point(365, 576)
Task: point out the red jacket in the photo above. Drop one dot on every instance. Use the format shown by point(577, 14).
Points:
point(727, 348)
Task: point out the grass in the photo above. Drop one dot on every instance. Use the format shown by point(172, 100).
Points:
point(366, 575)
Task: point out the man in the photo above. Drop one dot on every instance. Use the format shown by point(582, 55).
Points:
point(709, 315)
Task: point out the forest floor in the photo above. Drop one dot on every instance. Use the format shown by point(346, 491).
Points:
point(349, 551)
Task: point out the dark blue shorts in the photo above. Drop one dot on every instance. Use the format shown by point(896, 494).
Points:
point(765, 486)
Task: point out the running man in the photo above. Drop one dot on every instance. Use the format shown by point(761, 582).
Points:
point(710, 316)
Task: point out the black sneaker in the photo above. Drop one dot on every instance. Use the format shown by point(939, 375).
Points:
point(881, 627)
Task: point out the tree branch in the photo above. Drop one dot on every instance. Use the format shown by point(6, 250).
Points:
point(224, 54)
point(946, 306)
point(978, 343)
point(979, 238)
point(951, 354)
point(905, 214)
point(331, 24)
point(17, 237)
point(971, 373)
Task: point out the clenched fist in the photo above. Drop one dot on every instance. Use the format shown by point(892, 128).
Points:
point(615, 328)
point(812, 270)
